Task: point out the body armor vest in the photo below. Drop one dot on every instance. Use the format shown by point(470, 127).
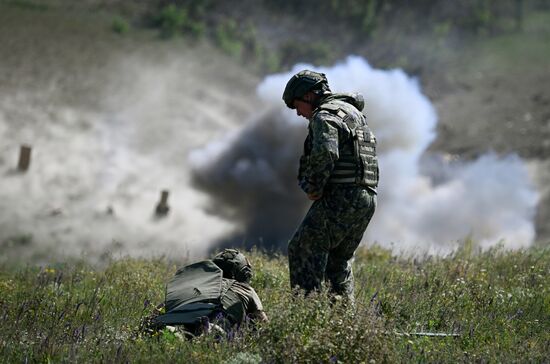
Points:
point(199, 290)
point(357, 162)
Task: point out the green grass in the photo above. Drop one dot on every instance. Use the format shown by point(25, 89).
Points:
point(499, 303)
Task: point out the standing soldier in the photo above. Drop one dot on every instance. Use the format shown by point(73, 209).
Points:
point(339, 172)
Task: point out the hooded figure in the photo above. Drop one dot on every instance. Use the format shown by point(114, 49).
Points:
point(339, 173)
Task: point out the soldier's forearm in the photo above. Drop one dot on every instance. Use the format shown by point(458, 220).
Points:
point(318, 175)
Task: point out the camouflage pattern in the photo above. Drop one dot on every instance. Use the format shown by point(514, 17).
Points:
point(303, 82)
point(234, 265)
point(323, 246)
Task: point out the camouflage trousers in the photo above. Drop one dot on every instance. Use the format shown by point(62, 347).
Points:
point(323, 247)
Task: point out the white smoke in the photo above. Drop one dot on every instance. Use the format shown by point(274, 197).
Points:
point(425, 204)
point(99, 164)
point(96, 173)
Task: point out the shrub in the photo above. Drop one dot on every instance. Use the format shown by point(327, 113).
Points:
point(170, 20)
point(227, 38)
point(173, 19)
point(120, 25)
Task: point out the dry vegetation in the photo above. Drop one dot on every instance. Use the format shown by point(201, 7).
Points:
point(498, 302)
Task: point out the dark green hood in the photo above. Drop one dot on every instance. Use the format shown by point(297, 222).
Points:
point(356, 99)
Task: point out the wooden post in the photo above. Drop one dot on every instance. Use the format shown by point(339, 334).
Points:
point(24, 158)
point(162, 208)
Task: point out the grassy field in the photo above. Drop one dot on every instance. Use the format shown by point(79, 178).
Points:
point(498, 302)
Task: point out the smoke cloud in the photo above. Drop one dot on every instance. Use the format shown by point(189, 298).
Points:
point(427, 202)
point(251, 175)
point(104, 147)
point(100, 161)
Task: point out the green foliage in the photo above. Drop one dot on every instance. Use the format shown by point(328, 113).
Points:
point(240, 41)
point(120, 25)
point(356, 21)
point(312, 330)
point(227, 38)
point(363, 17)
point(498, 302)
point(194, 29)
point(270, 61)
point(368, 23)
point(170, 20)
point(480, 18)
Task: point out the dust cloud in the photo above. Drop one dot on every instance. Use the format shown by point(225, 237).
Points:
point(427, 202)
point(104, 149)
point(99, 163)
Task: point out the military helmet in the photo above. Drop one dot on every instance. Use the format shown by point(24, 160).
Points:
point(301, 83)
point(234, 265)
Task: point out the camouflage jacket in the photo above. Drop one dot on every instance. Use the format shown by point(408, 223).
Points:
point(321, 147)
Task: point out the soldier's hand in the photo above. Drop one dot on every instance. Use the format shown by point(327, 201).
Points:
point(314, 196)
